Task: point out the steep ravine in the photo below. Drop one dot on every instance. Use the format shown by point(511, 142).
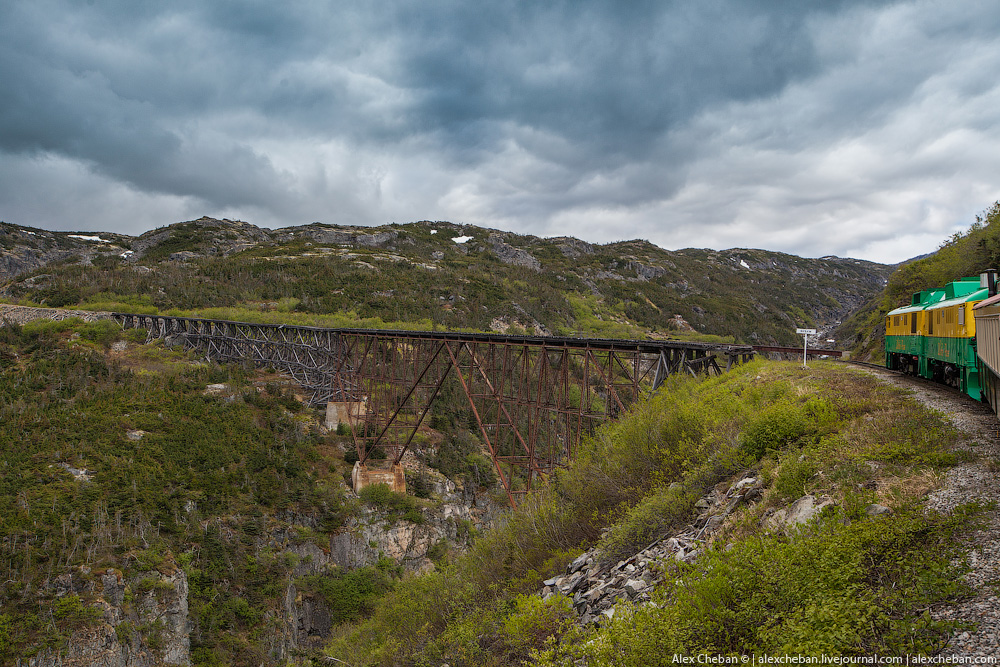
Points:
point(144, 619)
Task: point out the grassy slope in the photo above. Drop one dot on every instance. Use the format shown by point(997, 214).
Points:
point(853, 585)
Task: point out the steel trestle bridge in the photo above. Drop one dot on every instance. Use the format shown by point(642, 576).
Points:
point(532, 398)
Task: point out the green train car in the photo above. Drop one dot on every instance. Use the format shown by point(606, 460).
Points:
point(935, 336)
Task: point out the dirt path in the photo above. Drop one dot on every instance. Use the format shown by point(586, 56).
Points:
point(977, 481)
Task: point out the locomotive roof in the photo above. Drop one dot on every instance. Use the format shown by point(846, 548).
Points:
point(978, 295)
point(904, 309)
point(958, 291)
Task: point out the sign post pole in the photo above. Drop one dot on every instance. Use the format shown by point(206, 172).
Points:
point(805, 342)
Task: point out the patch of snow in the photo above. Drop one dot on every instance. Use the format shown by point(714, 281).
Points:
point(32, 233)
point(461, 239)
point(434, 231)
point(126, 254)
point(87, 238)
point(744, 264)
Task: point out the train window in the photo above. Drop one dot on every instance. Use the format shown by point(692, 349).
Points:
point(930, 324)
point(913, 323)
point(961, 316)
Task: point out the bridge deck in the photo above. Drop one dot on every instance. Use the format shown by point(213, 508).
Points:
point(531, 398)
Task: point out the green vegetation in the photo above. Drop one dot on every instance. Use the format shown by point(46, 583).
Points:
point(121, 468)
point(393, 504)
point(351, 594)
point(837, 589)
point(849, 584)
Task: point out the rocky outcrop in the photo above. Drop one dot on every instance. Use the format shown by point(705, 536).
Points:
point(331, 236)
point(596, 587)
point(646, 271)
point(802, 511)
point(25, 314)
point(369, 538)
point(573, 247)
point(508, 254)
point(143, 622)
point(213, 237)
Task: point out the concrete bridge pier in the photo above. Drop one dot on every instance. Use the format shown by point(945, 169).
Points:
point(363, 476)
point(344, 412)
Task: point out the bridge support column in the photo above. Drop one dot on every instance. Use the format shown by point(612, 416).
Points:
point(339, 412)
point(363, 476)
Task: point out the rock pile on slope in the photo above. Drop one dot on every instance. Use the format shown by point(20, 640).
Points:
point(596, 587)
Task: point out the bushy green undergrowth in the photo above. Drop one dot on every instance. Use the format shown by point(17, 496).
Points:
point(351, 594)
point(834, 589)
point(391, 503)
point(827, 430)
point(108, 465)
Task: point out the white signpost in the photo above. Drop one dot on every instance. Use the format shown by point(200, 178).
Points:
point(805, 342)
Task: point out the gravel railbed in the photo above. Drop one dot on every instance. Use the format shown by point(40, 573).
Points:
point(976, 481)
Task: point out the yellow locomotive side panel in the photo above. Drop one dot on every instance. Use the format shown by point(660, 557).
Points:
point(903, 324)
point(951, 321)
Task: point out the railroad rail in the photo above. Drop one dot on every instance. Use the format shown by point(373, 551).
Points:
point(532, 398)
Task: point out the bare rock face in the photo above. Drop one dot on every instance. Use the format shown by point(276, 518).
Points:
point(573, 247)
point(508, 254)
point(645, 272)
point(405, 542)
point(802, 511)
point(162, 603)
point(349, 237)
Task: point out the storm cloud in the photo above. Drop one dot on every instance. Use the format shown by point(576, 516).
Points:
point(864, 129)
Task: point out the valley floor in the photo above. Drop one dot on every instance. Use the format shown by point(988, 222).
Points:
point(973, 481)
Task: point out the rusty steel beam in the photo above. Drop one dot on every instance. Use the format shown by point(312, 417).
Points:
point(533, 398)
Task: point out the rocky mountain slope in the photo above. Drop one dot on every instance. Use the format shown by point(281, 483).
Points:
point(440, 274)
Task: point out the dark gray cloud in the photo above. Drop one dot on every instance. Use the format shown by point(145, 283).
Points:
point(719, 123)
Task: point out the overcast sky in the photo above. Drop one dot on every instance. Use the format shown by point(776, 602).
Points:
point(861, 129)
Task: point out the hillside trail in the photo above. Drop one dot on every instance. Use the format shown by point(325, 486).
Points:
point(973, 481)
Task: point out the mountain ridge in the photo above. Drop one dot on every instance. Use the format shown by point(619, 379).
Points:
point(443, 274)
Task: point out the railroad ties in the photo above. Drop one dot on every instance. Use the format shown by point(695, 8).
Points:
point(531, 399)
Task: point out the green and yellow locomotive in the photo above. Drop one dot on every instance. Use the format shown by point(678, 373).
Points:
point(935, 336)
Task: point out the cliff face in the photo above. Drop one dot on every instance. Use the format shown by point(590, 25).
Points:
point(144, 620)
point(141, 621)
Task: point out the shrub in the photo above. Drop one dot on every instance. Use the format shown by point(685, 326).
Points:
point(648, 521)
point(103, 332)
point(793, 474)
point(774, 428)
point(536, 623)
point(71, 610)
point(350, 594)
point(395, 504)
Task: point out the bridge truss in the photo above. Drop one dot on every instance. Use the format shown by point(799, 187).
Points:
point(531, 398)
